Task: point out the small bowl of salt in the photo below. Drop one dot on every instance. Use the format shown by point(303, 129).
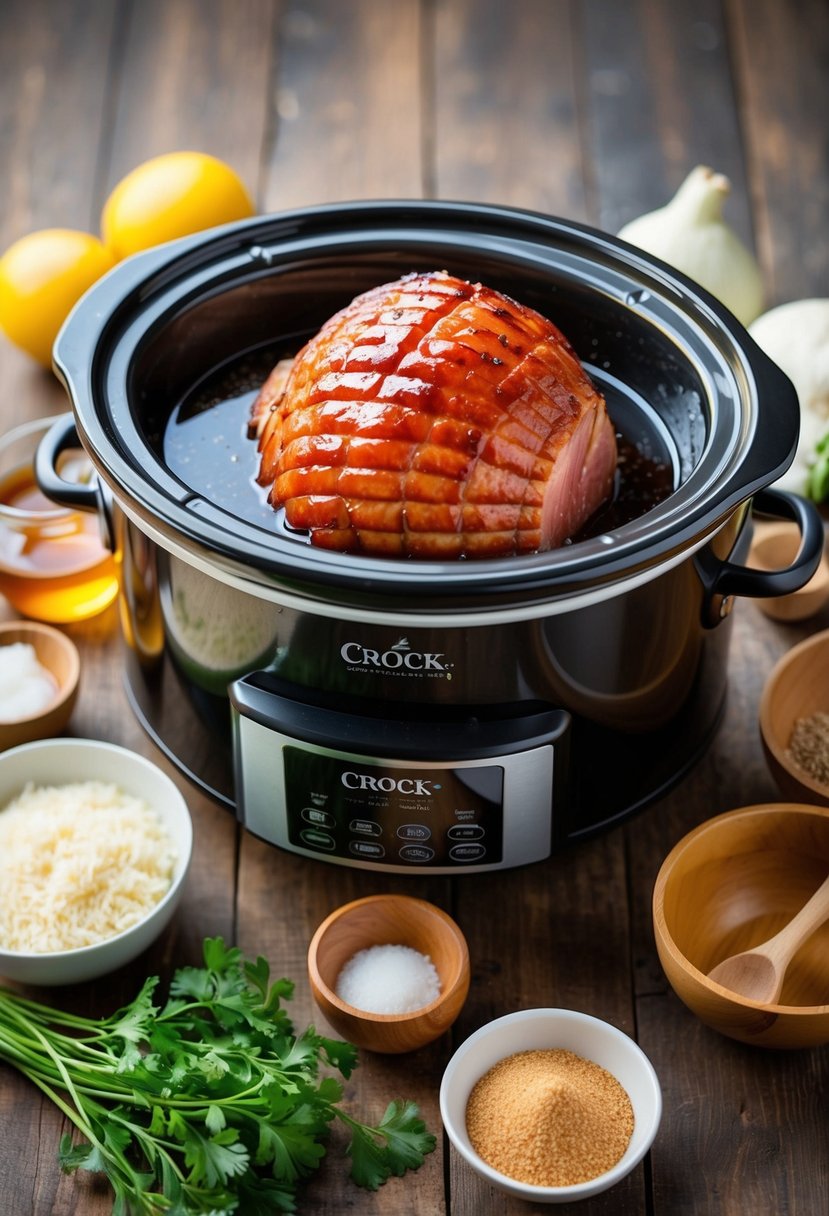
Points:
point(389, 972)
point(39, 673)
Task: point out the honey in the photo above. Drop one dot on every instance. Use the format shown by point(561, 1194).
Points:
point(53, 565)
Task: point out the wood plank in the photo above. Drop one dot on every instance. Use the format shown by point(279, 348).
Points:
point(750, 1125)
point(660, 100)
point(781, 53)
point(54, 62)
point(718, 1160)
point(346, 122)
point(193, 75)
point(506, 81)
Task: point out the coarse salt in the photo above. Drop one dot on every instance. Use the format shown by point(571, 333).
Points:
point(388, 979)
point(26, 687)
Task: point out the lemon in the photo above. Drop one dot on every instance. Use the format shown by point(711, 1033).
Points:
point(171, 196)
point(41, 277)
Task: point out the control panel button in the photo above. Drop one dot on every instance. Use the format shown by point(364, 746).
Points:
point(467, 852)
point(365, 827)
point(466, 831)
point(414, 831)
point(320, 819)
point(366, 848)
point(418, 853)
point(315, 839)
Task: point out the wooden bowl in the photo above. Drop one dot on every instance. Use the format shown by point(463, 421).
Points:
point(58, 654)
point(728, 886)
point(380, 920)
point(774, 548)
point(797, 686)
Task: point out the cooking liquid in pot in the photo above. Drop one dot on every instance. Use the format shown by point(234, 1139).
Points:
point(205, 445)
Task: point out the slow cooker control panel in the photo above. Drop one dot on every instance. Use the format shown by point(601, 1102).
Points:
point(393, 813)
point(468, 794)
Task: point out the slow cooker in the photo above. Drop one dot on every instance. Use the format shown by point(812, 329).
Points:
point(421, 716)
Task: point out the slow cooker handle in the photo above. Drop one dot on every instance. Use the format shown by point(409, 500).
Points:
point(78, 496)
point(726, 579)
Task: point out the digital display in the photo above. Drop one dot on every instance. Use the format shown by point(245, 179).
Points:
point(395, 815)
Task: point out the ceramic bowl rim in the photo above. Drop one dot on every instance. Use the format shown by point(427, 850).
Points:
point(667, 939)
point(180, 871)
point(604, 1181)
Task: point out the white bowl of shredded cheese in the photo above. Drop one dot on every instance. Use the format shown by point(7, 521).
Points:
point(95, 844)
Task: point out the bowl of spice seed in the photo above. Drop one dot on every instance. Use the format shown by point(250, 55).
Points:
point(550, 1105)
point(389, 972)
point(794, 721)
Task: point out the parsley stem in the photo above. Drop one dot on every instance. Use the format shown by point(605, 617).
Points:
point(44, 1011)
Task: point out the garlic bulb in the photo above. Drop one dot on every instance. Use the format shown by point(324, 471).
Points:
point(796, 337)
point(690, 234)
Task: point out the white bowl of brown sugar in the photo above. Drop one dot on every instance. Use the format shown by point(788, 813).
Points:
point(550, 1105)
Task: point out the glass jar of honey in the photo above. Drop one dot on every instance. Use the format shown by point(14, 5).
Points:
point(53, 564)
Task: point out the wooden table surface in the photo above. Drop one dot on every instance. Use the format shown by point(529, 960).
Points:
point(595, 111)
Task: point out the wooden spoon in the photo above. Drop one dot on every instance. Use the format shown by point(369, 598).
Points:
point(758, 974)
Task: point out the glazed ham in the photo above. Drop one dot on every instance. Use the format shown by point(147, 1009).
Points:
point(435, 418)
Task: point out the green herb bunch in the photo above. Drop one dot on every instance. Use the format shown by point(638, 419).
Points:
point(208, 1106)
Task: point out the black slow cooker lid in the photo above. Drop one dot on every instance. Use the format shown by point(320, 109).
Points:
point(161, 322)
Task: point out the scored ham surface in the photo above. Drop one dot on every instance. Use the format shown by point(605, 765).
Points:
point(435, 418)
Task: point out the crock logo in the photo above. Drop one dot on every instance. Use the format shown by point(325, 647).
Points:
point(399, 657)
point(403, 785)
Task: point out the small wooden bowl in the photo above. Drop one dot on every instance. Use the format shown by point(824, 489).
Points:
point(382, 920)
point(728, 886)
point(797, 687)
point(59, 655)
point(774, 548)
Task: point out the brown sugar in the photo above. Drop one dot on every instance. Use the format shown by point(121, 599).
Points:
point(549, 1118)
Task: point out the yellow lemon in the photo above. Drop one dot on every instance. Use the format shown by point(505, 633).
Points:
point(41, 277)
point(171, 196)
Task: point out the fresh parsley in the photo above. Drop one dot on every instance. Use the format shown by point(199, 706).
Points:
point(208, 1105)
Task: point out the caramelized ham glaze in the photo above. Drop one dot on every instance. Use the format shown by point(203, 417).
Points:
point(435, 418)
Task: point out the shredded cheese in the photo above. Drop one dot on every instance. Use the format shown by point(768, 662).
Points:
point(79, 863)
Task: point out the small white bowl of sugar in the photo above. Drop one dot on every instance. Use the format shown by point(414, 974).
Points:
point(389, 972)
